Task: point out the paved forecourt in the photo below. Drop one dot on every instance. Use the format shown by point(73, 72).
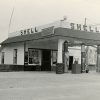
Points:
point(49, 86)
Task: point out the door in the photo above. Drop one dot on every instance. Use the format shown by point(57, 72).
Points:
point(46, 60)
point(70, 62)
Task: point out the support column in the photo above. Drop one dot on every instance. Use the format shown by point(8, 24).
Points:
point(66, 57)
point(83, 57)
point(98, 58)
point(24, 55)
point(60, 64)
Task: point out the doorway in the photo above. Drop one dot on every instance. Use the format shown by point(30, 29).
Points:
point(70, 62)
point(46, 60)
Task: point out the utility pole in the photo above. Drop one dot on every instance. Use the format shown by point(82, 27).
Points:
point(10, 20)
point(11, 17)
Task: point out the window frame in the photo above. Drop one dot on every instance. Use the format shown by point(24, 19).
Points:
point(54, 58)
point(2, 57)
point(34, 58)
point(15, 52)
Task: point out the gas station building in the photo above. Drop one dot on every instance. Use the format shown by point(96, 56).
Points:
point(52, 48)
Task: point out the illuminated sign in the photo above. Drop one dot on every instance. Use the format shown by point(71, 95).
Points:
point(45, 31)
point(69, 25)
point(28, 31)
point(84, 28)
point(48, 29)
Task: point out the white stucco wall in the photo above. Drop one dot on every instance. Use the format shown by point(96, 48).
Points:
point(91, 56)
point(8, 49)
point(75, 52)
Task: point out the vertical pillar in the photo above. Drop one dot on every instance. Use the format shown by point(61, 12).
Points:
point(83, 57)
point(24, 54)
point(98, 58)
point(66, 57)
point(60, 64)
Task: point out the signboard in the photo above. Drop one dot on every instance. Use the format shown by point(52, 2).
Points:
point(28, 31)
point(72, 26)
point(48, 29)
point(84, 28)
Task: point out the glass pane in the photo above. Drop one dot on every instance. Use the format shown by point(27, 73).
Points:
point(33, 56)
point(54, 58)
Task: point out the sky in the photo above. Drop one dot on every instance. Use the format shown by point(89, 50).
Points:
point(31, 13)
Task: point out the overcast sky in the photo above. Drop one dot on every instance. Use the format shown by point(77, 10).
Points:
point(31, 13)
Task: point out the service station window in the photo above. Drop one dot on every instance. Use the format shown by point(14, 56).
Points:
point(15, 56)
point(26, 58)
point(33, 55)
point(2, 57)
point(54, 58)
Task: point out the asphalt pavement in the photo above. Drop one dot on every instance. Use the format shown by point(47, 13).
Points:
point(49, 86)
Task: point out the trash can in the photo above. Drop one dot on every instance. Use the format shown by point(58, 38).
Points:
point(76, 68)
point(59, 68)
point(87, 71)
